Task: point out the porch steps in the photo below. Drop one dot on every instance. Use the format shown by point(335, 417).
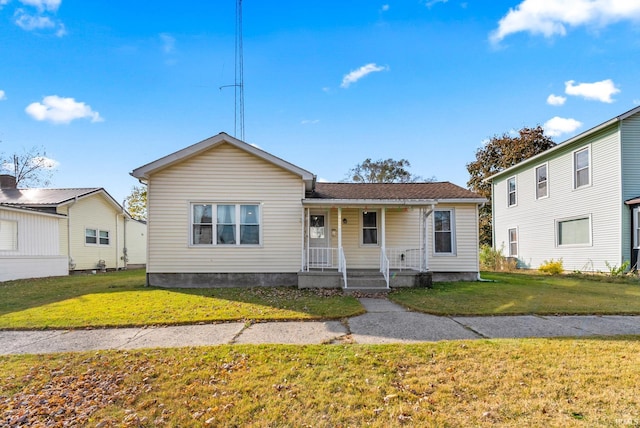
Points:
point(365, 281)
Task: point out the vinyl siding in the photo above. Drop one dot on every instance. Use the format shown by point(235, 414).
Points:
point(403, 230)
point(465, 258)
point(95, 212)
point(136, 242)
point(224, 174)
point(630, 135)
point(38, 252)
point(536, 219)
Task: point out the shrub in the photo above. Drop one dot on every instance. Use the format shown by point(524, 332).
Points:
point(615, 270)
point(492, 259)
point(553, 267)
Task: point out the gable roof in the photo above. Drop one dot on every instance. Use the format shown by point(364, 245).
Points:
point(49, 198)
point(568, 142)
point(144, 172)
point(385, 193)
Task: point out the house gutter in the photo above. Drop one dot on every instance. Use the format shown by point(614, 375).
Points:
point(71, 263)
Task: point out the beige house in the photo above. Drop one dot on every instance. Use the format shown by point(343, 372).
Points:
point(94, 231)
point(225, 213)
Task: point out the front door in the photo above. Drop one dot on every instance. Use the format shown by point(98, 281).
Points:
point(319, 252)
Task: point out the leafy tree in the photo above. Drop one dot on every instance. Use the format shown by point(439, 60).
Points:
point(383, 171)
point(31, 168)
point(500, 153)
point(137, 202)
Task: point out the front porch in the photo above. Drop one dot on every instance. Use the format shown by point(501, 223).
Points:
point(362, 245)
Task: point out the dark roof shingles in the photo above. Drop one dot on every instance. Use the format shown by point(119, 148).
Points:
point(431, 190)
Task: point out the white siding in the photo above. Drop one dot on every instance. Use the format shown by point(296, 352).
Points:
point(536, 219)
point(224, 174)
point(136, 242)
point(38, 251)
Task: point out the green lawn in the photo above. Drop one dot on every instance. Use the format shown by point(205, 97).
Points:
point(515, 383)
point(520, 293)
point(121, 299)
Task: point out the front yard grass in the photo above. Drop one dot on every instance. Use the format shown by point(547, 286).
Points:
point(532, 382)
point(119, 299)
point(520, 293)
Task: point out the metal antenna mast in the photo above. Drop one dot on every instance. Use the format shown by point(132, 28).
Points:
point(239, 75)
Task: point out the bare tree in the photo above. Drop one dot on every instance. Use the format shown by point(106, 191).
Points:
point(31, 168)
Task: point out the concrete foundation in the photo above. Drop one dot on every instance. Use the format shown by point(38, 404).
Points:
point(221, 280)
point(455, 276)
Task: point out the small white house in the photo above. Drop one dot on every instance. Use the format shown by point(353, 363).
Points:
point(578, 201)
point(225, 213)
point(29, 244)
point(94, 231)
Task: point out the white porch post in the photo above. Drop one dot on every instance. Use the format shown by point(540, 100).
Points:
point(383, 229)
point(339, 227)
point(305, 224)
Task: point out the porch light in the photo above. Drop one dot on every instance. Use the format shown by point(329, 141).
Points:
point(344, 221)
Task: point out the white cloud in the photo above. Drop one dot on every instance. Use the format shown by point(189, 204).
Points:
point(322, 180)
point(551, 17)
point(3, 95)
point(168, 42)
point(42, 5)
point(61, 110)
point(557, 126)
point(384, 8)
point(556, 100)
point(37, 161)
point(310, 122)
point(599, 91)
point(3, 2)
point(358, 74)
point(32, 22)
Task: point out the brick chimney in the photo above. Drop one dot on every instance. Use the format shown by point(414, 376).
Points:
point(7, 181)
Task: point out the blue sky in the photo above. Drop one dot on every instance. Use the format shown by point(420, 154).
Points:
point(108, 86)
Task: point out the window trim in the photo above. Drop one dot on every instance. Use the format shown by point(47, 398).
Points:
point(535, 171)
point(237, 224)
point(575, 170)
point(452, 221)
point(635, 212)
point(515, 229)
point(16, 236)
point(566, 219)
point(98, 232)
point(377, 228)
point(515, 192)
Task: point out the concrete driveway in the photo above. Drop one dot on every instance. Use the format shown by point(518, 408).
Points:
point(384, 322)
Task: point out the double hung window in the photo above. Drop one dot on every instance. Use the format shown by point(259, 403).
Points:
point(369, 228)
point(513, 242)
point(511, 192)
point(233, 224)
point(542, 189)
point(581, 168)
point(443, 231)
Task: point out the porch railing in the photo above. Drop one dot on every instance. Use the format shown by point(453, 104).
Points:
point(384, 265)
point(404, 258)
point(322, 258)
point(342, 267)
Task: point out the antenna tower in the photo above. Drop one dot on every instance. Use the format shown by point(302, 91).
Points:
point(238, 118)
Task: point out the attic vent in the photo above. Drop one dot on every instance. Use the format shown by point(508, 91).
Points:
point(7, 181)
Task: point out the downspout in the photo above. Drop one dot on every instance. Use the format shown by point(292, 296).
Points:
point(117, 246)
point(72, 264)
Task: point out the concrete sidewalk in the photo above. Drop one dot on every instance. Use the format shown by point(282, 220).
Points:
point(384, 322)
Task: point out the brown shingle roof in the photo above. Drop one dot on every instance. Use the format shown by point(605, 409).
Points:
point(434, 190)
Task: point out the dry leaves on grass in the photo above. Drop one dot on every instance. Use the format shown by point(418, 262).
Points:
point(62, 397)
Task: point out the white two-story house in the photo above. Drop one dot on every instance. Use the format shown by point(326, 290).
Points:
point(577, 202)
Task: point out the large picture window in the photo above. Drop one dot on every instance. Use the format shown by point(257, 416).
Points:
point(542, 190)
point(369, 228)
point(234, 224)
point(574, 231)
point(443, 231)
point(511, 192)
point(581, 168)
point(96, 237)
point(8, 235)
